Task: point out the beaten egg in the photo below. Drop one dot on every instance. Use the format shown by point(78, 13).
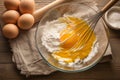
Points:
point(65, 53)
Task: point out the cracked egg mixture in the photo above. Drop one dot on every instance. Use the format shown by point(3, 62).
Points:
point(54, 39)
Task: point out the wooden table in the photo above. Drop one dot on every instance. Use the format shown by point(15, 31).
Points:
point(102, 71)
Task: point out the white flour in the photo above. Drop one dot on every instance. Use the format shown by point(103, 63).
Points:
point(51, 35)
point(50, 40)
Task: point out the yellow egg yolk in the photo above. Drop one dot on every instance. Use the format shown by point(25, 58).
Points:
point(68, 41)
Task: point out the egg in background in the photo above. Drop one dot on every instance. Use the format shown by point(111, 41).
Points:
point(25, 21)
point(27, 6)
point(10, 16)
point(11, 4)
point(10, 31)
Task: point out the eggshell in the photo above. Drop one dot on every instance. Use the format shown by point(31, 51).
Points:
point(11, 4)
point(27, 6)
point(25, 21)
point(10, 31)
point(10, 16)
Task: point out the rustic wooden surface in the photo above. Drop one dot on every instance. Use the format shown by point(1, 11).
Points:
point(102, 71)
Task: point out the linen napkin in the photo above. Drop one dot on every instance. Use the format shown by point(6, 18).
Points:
point(26, 56)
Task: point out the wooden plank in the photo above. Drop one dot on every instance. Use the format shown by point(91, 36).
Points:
point(104, 71)
point(115, 44)
point(5, 57)
point(5, 53)
point(98, 72)
point(114, 34)
point(43, 1)
point(9, 72)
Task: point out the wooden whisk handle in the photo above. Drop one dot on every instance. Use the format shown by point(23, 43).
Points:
point(109, 5)
point(40, 12)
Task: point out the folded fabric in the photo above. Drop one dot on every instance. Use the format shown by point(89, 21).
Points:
point(26, 55)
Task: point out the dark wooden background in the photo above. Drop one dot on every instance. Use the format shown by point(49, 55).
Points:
point(102, 71)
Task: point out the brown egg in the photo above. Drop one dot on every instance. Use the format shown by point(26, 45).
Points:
point(11, 4)
point(27, 6)
point(10, 31)
point(10, 16)
point(25, 21)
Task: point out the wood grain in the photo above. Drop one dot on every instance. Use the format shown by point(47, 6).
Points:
point(103, 71)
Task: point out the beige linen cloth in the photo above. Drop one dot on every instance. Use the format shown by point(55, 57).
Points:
point(27, 57)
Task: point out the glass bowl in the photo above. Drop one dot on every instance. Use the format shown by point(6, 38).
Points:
point(83, 11)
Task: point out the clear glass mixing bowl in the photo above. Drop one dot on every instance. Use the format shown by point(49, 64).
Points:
point(72, 9)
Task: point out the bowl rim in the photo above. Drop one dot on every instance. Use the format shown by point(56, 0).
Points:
point(71, 71)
